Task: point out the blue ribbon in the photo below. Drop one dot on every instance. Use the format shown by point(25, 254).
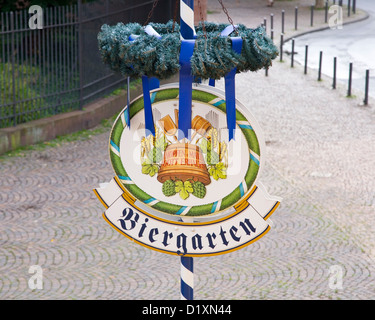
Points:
point(149, 120)
point(147, 85)
point(230, 91)
point(186, 89)
point(127, 117)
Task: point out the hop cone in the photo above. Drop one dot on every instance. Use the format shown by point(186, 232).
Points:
point(168, 188)
point(199, 189)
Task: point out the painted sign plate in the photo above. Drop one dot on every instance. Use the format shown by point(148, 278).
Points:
point(193, 197)
point(205, 175)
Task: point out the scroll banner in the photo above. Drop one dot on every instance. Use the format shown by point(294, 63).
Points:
point(242, 225)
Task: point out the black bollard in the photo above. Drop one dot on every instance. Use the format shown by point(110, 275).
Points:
point(282, 21)
point(326, 12)
point(312, 15)
point(350, 79)
point(271, 34)
point(334, 73)
point(281, 46)
point(265, 24)
point(365, 101)
point(354, 6)
point(306, 52)
point(292, 58)
point(271, 16)
point(348, 8)
point(320, 66)
point(296, 18)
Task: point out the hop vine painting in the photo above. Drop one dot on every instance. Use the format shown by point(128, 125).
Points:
point(184, 167)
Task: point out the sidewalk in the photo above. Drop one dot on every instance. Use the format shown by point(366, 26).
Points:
point(320, 160)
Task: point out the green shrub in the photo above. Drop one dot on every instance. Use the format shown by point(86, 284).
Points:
point(25, 78)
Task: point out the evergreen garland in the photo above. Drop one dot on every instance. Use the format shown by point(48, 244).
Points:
point(213, 56)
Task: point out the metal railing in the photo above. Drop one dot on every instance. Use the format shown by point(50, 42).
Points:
point(58, 68)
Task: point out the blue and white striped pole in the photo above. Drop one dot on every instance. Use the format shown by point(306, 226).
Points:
point(187, 32)
point(187, 35)
point(187, 29)
point(187, 278)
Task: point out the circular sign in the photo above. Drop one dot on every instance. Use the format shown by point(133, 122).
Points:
point(204, 176)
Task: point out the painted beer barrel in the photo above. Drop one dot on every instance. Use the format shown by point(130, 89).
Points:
point(183, 161)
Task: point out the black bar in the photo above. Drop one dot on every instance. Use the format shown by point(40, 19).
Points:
point(320, 66)
point(121, 80)
point(295, 18)
point(26, 62)
point(354, 6)
point(282, 21)
point(3, 101)
point(64, 31)
point(326, 12)
point(350, 79)
point(49, 56)
point(22, 59)
point(13, 69)
point(265, 24)
point(292, 58)
point(271, 34)
point(96, 81)
point(348, 8)
point(56, 56)
point(365, 101)
point(60, 46)
point(306, 54)
point(16, 53)
point(312, 15)
point(334, 72)
point(281, 46)
point(271, 26)
point(80, 53)
point(43, 60)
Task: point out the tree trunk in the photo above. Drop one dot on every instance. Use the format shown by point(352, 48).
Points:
point(319, 3)
point(200, 11)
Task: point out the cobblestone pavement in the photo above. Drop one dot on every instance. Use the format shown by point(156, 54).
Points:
point(320, 160)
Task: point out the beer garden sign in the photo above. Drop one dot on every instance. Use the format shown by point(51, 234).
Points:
point(186, 156)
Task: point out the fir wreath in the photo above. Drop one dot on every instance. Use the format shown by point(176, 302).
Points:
point(213, 56)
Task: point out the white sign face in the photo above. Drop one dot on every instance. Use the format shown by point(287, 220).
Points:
point(193, 197)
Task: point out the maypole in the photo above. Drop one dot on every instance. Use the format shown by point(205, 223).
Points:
point(187, 29)
point(158, 200)
point(188, 34)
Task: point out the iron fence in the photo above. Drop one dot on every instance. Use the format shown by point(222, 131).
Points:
point(58, 68)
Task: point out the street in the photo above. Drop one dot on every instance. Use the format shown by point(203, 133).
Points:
point(353, 43)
